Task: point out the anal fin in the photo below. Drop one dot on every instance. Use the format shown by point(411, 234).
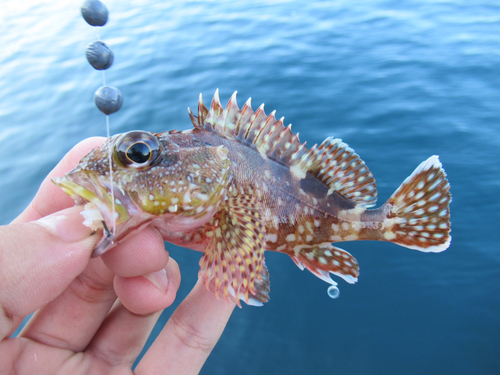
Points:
point(324, 259)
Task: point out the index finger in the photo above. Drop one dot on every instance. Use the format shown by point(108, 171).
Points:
point(50, 198)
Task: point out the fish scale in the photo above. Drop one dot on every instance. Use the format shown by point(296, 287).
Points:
point(248, 185)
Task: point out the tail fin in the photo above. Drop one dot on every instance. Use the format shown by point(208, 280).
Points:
point(418, 211)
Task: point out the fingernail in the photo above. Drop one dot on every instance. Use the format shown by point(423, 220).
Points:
point(67, 224)
point(159, 278)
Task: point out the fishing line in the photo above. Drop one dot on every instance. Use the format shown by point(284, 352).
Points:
point(110, 163)
point(107, 99)
point(113, 219)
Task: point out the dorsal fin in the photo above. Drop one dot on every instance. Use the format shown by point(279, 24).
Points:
point(339, 167)
point(333, 162)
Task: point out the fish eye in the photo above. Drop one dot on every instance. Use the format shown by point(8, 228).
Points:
point(137, 149)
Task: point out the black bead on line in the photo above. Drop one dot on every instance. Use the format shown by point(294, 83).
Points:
point(99, 55)
point(107, 99)
point(95, 12)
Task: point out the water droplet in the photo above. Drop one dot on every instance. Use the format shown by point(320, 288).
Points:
point(333, 291)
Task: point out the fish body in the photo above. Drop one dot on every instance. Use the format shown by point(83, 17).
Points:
point(240, 183)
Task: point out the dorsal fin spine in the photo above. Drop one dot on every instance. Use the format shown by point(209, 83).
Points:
point(246, 111)
point(193, 118)
point(274, 136)
point(231, 114)
point(269, 130)
point(300, 151)
point(291, 147)
point(255, 125)
point(202, 111)
point(263, 131)
point(284, 142)
point(307, 160)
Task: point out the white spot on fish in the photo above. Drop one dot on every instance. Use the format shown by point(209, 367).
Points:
point(272, 237)
point(202, 197)
point(290, 237)
point(297, 171)
point(389, 236)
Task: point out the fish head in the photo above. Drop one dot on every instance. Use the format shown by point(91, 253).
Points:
point(179, 185)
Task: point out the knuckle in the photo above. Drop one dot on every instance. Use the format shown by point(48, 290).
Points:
point(190, 336)
point(91, 290)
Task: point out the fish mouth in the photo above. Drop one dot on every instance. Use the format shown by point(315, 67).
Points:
point(103, 210)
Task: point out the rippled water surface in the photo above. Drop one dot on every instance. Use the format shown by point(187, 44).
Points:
point(397, 80)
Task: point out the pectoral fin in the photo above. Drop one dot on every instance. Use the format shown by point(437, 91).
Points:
point(233, 262)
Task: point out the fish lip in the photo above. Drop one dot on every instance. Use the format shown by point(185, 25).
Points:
point(87, 188)
point(90, 188)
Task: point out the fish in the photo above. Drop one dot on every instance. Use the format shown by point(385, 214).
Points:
point(240, 183)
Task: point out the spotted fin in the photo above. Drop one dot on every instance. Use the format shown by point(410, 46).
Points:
point(255, 129)
point(333, 162)
point(261, 289)
point(418, 211)
point(233, 262)
point(341, 169)
point(324, 259)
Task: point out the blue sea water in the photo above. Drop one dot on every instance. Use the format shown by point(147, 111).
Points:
point(397, 80)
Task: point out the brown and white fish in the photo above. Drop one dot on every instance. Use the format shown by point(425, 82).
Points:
point(241, 183)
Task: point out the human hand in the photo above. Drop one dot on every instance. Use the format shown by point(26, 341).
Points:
point(93, 316)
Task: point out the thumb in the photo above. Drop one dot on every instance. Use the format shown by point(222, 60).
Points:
point(39, 259)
